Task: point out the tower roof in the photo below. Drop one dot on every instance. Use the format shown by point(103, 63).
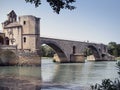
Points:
point(12, 13)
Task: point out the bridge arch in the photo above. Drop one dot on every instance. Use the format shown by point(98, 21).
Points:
point(60, 55)
point(93, 50)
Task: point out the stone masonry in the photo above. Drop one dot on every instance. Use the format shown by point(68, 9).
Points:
point(24, 34)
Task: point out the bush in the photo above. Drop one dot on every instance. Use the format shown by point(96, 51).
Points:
point(118, 66)
point(108, 84)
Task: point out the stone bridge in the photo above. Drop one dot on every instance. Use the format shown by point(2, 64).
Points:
point(67, 51)
point(73, 51)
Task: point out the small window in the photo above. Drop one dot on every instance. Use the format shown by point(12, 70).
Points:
point(6, 40)
point(24, 39)
point(24, 22)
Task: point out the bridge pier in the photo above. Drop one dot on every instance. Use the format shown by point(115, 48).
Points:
point(74, 58)
point(77, 58)
point(60, 59)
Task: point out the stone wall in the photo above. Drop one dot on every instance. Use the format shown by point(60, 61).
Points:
point(77, 58)
point(31, 32)
point(12, 56)
point(8, 57)
point(91, 58)
point(29, 59)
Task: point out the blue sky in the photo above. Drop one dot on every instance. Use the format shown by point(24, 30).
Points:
point(93, 20)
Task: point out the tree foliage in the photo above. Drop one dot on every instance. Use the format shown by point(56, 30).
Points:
point(114, 49)
point(56, 5)
point(88, 51)
point(46, 51)
point(108, 84)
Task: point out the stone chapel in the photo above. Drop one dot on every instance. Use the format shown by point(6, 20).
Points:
point(23, 33)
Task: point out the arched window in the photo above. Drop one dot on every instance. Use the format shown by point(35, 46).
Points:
point(74, 49)
point(24, 22)
point(24, 39)
point(6, 40)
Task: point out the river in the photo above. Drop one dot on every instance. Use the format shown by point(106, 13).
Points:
point(53, 76)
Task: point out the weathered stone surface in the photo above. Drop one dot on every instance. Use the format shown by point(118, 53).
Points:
point(29, 60)
point(91, 58)
point(66, 48)
point(77, 58)
point(8, 57)
point(59, 59)
point(25, 35)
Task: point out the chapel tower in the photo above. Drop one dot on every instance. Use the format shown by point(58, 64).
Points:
point(30, 32)
point(24, 33)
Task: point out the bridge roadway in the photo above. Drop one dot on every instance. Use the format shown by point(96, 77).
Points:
point(73, 51)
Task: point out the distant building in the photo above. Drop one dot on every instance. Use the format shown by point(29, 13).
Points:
point(24, 33)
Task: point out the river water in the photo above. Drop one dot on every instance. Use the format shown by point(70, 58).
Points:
point(52, 76)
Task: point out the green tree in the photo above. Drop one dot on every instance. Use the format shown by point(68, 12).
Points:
point(118, 48)
point(115, 52)
point(56, 5)
point(47, 51)
point(114, 49)
point(88, 52)
point(42, 51)
point(112, 45)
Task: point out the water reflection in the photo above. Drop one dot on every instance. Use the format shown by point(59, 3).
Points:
point(67, 73)
point(28, 71)
point(56, 76)
point(78, 73)
point(20, 78)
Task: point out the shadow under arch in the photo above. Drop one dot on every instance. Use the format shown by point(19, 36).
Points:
point(60, 56)
point(92, 50)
